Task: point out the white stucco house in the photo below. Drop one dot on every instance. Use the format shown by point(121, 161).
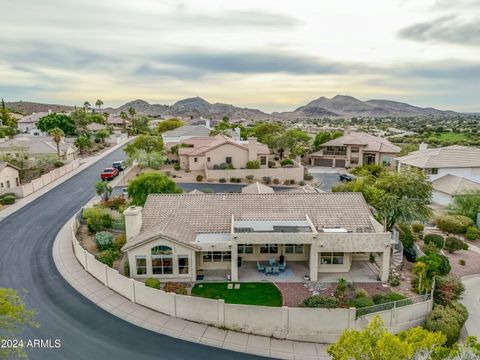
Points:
point(34, 147)
point(179, 237)
point(9, 177)
point(178, 135)
point(445, 188)
point(461, 161)
point(28, 124)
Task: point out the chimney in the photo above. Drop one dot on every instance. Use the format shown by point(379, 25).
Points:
point(423, 146)
point(133, 221)
point(252, 149)
point(207, 124)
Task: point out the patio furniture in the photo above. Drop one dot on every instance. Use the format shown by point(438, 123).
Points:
point(260, 267)
point(271, 261)
point(275, 270)
point(282, 266)
point(268, 270)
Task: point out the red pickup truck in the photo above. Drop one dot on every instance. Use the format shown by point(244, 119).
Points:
point(109, 173)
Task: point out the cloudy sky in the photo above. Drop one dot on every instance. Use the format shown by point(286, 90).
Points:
point(270, 54)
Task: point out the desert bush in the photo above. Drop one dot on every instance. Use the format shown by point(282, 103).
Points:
point(249, 178)
point(107, 257)
point(456, 224)
point(176, 167)
point(437, 265)
point(394, 281)
point(361, 302)
point(120, 241)
point(276, 181)
point(389, 297)
point(292, 182)
point(271, 164)
point(232, 180)
point(472, 233)
point(453, 244)
point(230, 167)
point(361, 293)
point(417, 228)
point(58, 163)
point(318, 301)
point(7, 200)
point(153, 283)
point(341, 289)
point(430, 248)
point(222, 180)
point(307, 176)
point(114, 203)
point(104, 240)
point(252, 164)
point(176, 288)
point(97, 218)
point(216, 167)
point(447, 289)
point(223, 166)
point(301, 183)
point(267, 179)
point(286, 162)
point(448, 320)
point(434, 239)
point(199, 177)
point(462, 262)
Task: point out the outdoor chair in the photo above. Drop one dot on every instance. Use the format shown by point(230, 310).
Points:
point(271, 261)
point(282, 266)
point(268, 270)
point(260, 267)
point(275, 270)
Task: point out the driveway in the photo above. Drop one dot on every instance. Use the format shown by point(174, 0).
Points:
point(471, 300)
point(326, 180)
point(85, 330)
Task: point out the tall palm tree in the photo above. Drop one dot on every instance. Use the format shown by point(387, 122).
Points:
point(105, 116)
point(124, 117)
point(82, 143)
point(103, 189)
point(57, 134)
point(86, 105)
point(132, 113)
point(99, 104)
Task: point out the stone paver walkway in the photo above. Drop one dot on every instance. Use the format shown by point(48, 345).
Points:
point(141, 316)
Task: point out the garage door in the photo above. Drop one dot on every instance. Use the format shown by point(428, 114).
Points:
point(340, 163)
point(323, 162)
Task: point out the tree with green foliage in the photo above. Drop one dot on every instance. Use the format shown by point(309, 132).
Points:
point(81, 121)
point(323, 137)
point(374, 342)
point(466, 204)
point(132, 112)
point(147, 143)
point(99, 104)
point(54, 120)
point(5, 118)
point(14, 318)
point(86, 106)
point(150, 183)
point(296, 141)
point(83, 143)
point(266, 132)
point(57, 135)
point(437, 264)
point(103, 189)
point(168, 125)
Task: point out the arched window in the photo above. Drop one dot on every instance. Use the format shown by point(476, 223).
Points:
point(162, 262)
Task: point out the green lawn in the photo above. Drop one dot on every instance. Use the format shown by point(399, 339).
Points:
point(264, 293)
point(450, 136)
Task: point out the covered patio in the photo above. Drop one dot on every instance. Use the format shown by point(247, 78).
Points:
point(360, 271)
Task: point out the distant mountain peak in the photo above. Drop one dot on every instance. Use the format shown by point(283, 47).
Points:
point(345, 98)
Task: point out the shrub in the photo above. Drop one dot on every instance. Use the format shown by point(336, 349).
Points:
point(232, 180)
point(286, 182)
point(114, 203)
point(104, 240)
point(417, 228)
point(462, 262)
point(361, 302)
point(176, 167)
point(453, 244)
point(341, 289)
point(318, 301)
point(126, 269)
point(276, 158)
point(222, 180)
point(153, 283)
point(253, 164)
point(456, 224)
point(447, 289)
point(230, 167)
point(448, 320)
point(430, 248)
point(216, 167)
point(199, 177)
point(276, 181)
point(223, 166)
point(271, 164)
point(239, 180)
point(361, 293)
point(286, 162)
point(97, 218)
point(472, 233)
point(176, 288)
point(301, 183)
point(267, 179)
point(107, 257)
point(406, 235)
point(249, 178)
point(292, 182)
point(58, 163)
point(434, 239)
point(394, 281)
point(307, 176)
point(436, 265)
point(119, 241)
point(7, 194)
point(7, 200)
point(168, 173)
point(389, 297)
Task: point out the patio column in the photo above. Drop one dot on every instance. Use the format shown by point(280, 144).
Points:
point(384, 270)
point(234, 262)
point(313, 263)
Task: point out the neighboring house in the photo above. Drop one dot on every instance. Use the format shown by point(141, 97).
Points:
point(257, 188)
point(94, 127)
point(215, 150)
point(182, 236)
point(9, 177)
point(28, 124)
point(445, 188)
point(461, 161)
point(33, 147)
point(117, 122)
point(355, 149)
point(185, 132)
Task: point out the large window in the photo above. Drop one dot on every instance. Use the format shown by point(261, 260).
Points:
point(245, 249)
point(216, 256)
point(269, 249)
point(162, 262)
point(293, 249)
point(141, 265)
point(183, 264)
point(331, 258)
point(228, 159)
point(263, 160)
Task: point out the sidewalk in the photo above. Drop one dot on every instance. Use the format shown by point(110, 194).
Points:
point(123, 308)
point(84, 163)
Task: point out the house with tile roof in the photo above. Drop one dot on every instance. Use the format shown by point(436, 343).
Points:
point(355, 149)
point(446, 187)
point(185, 237)
point(34, 147)
point(28, 123)
point(461, 161)
point(9, 177)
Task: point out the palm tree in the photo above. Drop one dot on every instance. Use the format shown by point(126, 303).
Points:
point(103, 189)
point(86, 106)
point(106, 115)
point(57, 134)
point(82, 143)
point(132, 113)
point(124, 117)
point(99, 104)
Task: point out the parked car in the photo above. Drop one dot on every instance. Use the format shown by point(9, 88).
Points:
point(410, 254)
point(109, 173)
point(119, 165)
point(346, 177)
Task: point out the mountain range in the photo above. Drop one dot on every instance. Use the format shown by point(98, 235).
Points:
point(338, 106)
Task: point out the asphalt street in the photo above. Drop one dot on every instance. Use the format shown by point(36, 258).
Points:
point(85, 330)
